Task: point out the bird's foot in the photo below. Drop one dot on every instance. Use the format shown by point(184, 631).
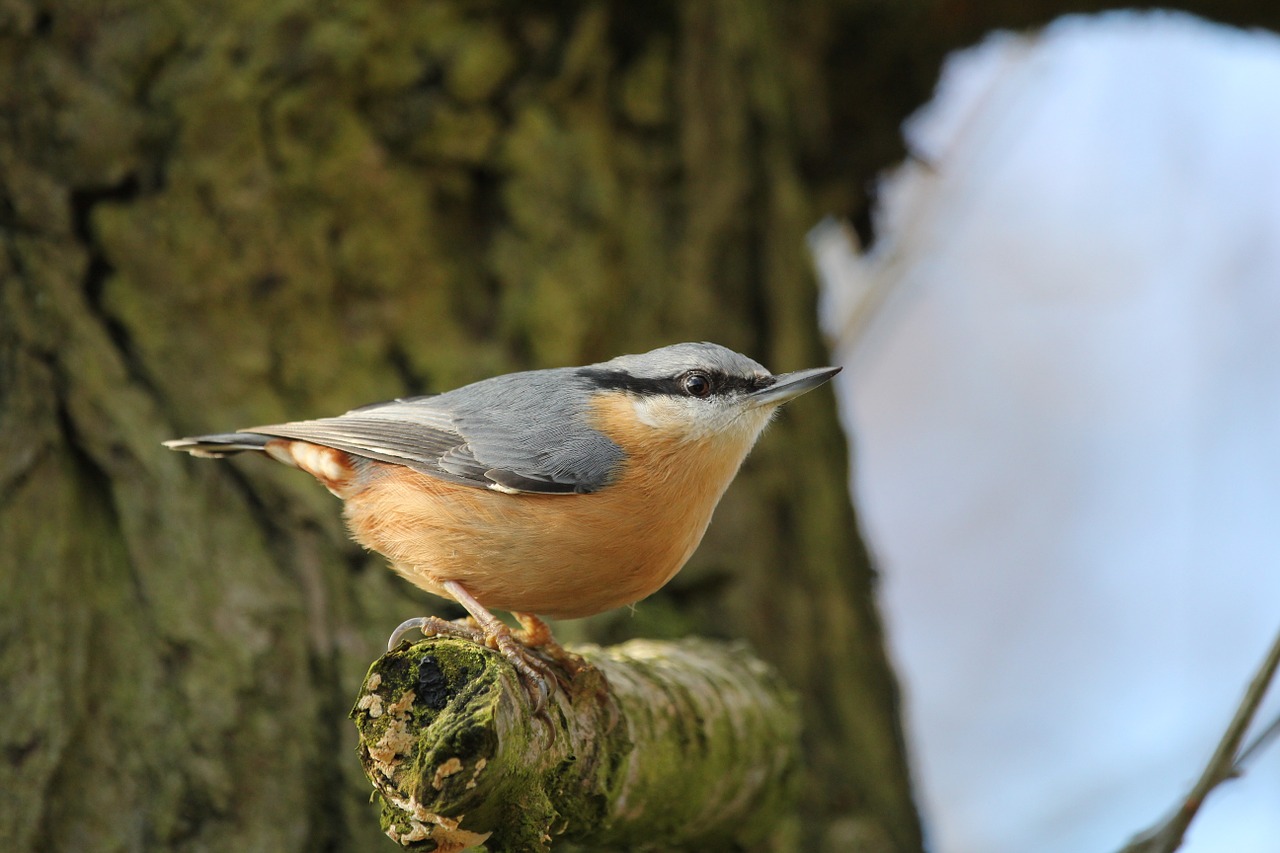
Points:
point(536, 634)
point(434, 626)
point(536, 675)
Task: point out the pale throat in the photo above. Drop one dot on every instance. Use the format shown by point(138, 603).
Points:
point(701, 419)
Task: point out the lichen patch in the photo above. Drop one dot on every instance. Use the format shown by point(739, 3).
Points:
point(371, 703)
point(475, 774)
point(395, 741)
point(444, 771)
point(424, 824)
point(403, 704)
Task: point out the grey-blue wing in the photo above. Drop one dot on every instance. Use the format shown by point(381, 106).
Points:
point(521, 433)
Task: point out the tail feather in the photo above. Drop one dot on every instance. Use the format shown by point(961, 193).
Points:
point(220, 444)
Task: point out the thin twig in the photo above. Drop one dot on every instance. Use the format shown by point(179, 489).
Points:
point(1257, 744)
point(1167, 836)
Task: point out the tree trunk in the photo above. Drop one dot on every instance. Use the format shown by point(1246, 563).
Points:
point(220, 215)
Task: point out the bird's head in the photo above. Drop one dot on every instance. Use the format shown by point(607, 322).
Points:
point(702, 391)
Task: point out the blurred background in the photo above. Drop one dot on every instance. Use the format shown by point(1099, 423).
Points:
point(1064, 400)
point(214, 216)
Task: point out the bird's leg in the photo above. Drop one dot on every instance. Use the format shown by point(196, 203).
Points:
point(537, 634)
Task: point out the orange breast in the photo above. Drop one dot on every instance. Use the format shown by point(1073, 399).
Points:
point(555, 555)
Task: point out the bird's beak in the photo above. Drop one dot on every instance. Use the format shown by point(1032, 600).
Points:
point(788, 386)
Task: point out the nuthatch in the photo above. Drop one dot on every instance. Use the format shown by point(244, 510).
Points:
point(562, 492)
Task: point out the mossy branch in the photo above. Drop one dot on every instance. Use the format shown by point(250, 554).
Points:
point(651, 745)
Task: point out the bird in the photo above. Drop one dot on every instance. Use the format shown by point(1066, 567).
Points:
point(560, 492)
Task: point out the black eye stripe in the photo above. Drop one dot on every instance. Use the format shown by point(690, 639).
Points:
point(617, 380)
point(746, 384)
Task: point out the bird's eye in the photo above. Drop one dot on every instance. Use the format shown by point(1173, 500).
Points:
point(696, 384)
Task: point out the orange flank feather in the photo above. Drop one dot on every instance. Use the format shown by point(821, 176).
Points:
point(333, 468)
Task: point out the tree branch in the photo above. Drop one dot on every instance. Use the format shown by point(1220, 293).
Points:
point(652, 743)
point(1225, 764)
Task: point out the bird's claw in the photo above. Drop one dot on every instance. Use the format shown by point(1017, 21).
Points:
point(537, 677)
point(434, 626)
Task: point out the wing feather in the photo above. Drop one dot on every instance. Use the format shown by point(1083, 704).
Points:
point(501, 434)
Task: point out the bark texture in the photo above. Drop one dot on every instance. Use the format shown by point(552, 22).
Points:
point(652, 746)
point(228, 214)
point(218, 215)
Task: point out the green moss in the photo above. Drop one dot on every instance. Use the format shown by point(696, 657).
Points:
point(241, 213)
point(446, 739)
point(646, 87)
point(483, 61)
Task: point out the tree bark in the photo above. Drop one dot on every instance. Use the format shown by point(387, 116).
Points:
point(649, 746)
point(219, 215)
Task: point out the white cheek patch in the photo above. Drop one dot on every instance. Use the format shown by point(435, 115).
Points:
point(699, 418)
point(650, 411)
